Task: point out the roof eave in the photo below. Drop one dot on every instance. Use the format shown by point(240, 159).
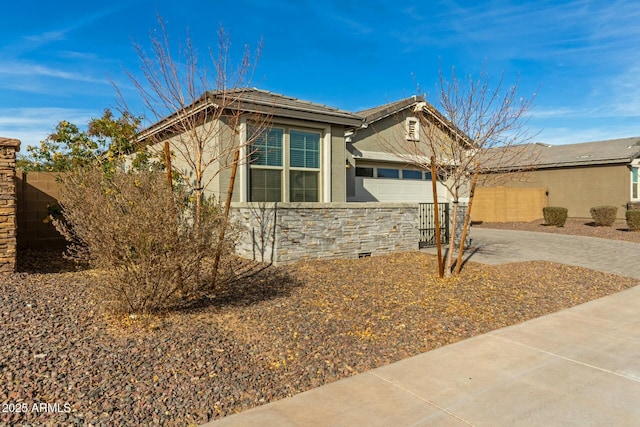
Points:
point(560, 165)
point(393, 108)
point(337, 118)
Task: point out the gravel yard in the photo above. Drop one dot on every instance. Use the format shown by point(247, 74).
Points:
point(283, 331)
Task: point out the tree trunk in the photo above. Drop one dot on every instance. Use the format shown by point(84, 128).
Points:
point(167, 161)
point(225, 221)
point(467, 219)
point(452, 239)
point(434, 184)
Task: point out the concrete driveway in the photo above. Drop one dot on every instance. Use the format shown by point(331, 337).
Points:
point(577, 367)
point(501, 246)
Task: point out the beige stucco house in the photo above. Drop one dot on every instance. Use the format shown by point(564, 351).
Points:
point(581, 176)
point(308, 152)
point(299, 155)
point(315, 181)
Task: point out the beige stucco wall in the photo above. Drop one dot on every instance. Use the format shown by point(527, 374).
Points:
point(338, 165)
point(388, 135)
point(385, 135)
point(581, 188)
point(219, 149)
point(218, 173)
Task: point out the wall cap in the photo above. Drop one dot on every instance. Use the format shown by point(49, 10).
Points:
point(10, 142)
point(336, 205)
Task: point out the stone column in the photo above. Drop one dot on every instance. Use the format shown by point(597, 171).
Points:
point(8, 205)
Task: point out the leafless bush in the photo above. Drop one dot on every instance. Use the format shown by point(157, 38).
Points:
point(141, 236)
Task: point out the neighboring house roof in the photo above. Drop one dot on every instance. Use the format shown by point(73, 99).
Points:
point(599, 152)
point(615, 151)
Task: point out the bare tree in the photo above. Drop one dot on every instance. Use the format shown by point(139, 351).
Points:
point(478, 128)
point(196, 112)
point(195, 106)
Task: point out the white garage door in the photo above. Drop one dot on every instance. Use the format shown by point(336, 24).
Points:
point(396, 190)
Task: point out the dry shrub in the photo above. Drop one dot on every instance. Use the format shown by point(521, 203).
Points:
point(140, 235)
point(633, 220)
point(554, 215)
point(604, 216)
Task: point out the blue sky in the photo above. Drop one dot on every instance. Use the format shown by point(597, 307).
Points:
point(581, 57)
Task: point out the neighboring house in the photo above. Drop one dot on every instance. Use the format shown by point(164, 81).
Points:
point(581, 176)
point(296, 182)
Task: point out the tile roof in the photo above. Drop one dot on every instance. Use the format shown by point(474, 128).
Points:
point(386, 110)
point(253, 100)
point(614, 151)
point(262, 101)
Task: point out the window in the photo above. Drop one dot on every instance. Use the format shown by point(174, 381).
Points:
point(427, 176)
point(265, 176)
point(413, 129)
point(281, 158)
point(411, 174)
point(388, 173)
point(303, 186)
point(266, 185)
point(304, 162)
point(267, 148)
point(635, 182)
point(366, 172)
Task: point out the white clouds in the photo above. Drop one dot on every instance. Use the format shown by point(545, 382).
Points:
point(33, 41)
point(46, 37)
point(21, 69)
point(578, 30)
point(27, 66)
point(79, 55)
point(623, 91)
point(31, 125)
point(556, 112)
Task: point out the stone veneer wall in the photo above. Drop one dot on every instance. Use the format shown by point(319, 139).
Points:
point(288, 232)
point(8, 232)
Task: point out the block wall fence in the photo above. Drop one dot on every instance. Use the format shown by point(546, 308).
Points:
point(35, 191)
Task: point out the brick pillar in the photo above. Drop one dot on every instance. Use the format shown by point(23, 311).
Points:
point(8, 224)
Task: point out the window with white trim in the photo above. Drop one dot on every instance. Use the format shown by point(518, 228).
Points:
point(265, 174)
point(304, 163)
point(635, 182)
point(412, 126)
point(284, 165)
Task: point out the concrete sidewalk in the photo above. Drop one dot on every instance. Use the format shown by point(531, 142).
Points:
point(577, 367)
